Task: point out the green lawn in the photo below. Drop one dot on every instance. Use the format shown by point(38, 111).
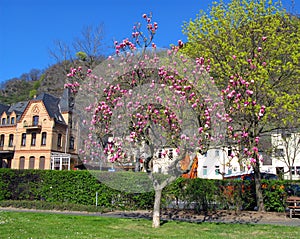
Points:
point(48, 225)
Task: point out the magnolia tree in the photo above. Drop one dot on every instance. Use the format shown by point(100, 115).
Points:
point(254, 49)
point(145, 100)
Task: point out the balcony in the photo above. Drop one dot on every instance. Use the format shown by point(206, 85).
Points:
point(32, 125)
point(7, 151)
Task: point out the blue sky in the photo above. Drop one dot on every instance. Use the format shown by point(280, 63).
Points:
point(28, 28)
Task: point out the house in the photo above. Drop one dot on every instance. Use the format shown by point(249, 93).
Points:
point(284, 154)
point(38, 134)
point(280, 151)
point(217, 162)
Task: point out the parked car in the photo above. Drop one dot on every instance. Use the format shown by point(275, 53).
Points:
point(250, 176)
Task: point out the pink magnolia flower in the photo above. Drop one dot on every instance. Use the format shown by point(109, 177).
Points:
point(249, 92)
point(264, 38)
point(180, 43)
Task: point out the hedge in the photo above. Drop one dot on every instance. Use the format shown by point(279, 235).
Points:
point(80, 187)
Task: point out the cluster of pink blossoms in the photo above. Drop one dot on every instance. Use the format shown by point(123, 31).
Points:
point(240, 95)
point(138, 36)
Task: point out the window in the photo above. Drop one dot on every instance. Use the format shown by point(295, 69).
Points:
point(295, 170)
point(33, 139)
point(2, 140)
point(42, 162)
point(229, 152)
point(3, 121)
point(170, 154)
point(279, 153)
point(217, 169)
point(204, 170)
point(12, 121)
point(280, 171)
point(31, 162)
point(160, 154)
point(23, 140)
point(22, 162)
point(59, 140)
point(217, 153)
point(35, 120)
point(44, 137)
point(60, 162)
point(292, 169)
point(298, 170)
point(65, 163)
point(11, 140)
point(72, 140)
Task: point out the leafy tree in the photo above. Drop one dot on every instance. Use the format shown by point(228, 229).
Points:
point(144, 102)
point(254, 47)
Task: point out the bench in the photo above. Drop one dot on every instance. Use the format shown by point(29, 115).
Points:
point(293, 204)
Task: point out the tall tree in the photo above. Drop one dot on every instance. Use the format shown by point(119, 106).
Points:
point(148, 101)
point(87, 48)
point(254, 47)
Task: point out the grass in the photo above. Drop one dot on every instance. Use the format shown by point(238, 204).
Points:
point(34, 225)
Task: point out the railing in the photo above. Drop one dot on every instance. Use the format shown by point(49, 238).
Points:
point(32, 125)
point(7, 148)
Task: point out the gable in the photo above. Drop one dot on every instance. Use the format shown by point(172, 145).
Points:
point(35, 108)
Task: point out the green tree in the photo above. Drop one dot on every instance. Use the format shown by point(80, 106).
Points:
point(253, 46)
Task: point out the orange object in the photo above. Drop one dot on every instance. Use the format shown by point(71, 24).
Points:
point(193, 172)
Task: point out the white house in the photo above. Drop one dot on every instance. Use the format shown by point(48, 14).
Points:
point(285, 154)
point(216, 163)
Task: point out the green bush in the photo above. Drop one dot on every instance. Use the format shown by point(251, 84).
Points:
point(71, 187)
point(80, 187)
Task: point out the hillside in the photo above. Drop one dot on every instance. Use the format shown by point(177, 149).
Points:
point(51, 80)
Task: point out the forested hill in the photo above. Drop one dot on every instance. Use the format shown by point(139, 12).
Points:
point(50, 80)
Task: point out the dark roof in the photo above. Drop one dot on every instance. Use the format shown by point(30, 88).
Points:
point(18, 108)
point(52, 106)
point(3, 108)
point(65, 102)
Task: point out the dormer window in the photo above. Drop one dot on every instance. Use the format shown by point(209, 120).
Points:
point(3, 122)
point(12, 120)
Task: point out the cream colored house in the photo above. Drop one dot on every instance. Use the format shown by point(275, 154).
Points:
point(38, 134)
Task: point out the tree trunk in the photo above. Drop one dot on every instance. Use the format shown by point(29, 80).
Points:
point(156, 209)
point(291, 175)
point(258, 191)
